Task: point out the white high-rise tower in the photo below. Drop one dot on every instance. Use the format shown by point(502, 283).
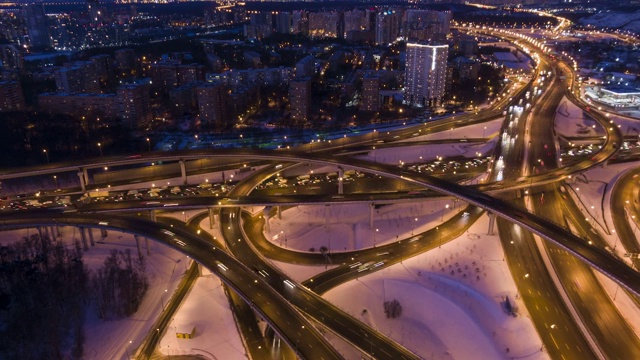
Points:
point(425, 74)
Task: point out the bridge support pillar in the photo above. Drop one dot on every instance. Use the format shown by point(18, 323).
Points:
point(267, 227)
point(183, 172)
point(212, 218)
point(52, 229)
point(146, 245)
point(103, 233)
point(137, 238)
point(372, 207)
point(46, 232)
point(83, 236)
point(152, 215)
point(492, 224)
point(279, 209)
point(90, 231)
point(340, 181)
point(83, 184)
point(39, 229)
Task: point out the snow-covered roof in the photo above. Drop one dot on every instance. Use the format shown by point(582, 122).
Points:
point(505, 56)
point(621, 90)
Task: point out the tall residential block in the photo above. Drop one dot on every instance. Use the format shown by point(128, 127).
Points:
point(37, 25)
point(324, 24)
point(169, 74)
point(300, 99)
point(212, 105)
point(81, 77)
point(102, 105)
point(284, 22)
point(11, 97)
point(425, 74)
point(306, 67)
point(125, 60)
point(370, 92)
point(388, 26)
point(134, 104)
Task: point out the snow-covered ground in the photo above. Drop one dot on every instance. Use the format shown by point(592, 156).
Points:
point(570, 121)
point(614, 19)
point(206, 307)
point(450, 298)
point(346, 227)
point(423, 153)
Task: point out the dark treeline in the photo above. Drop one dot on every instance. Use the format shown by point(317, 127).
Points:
point(119, 285)
point(64, 137)
point(45, 289)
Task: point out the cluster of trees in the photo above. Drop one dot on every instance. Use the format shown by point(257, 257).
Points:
point(45, 289)
point(119, 285)
point(43, 292)
point(392, 308)
point(66, 138)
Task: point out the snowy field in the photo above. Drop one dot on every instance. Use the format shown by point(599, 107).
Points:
point(423, 153)
point(206, 307)
point(571, 122)
point(346, 227)
point(462, 283)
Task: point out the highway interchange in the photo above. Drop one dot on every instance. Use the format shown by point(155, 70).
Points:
point(297, 312)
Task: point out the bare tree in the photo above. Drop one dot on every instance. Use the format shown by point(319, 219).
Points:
point(392, 308)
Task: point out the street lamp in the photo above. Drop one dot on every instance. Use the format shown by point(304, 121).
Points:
point(46, 154)
point(162, 298)
point(149, 144)
point(128, 353)
point(442, 215)
point(100, 148)
point(374, 238)
point(55, 179)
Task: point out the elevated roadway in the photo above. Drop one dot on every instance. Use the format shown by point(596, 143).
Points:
point(597, 258)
